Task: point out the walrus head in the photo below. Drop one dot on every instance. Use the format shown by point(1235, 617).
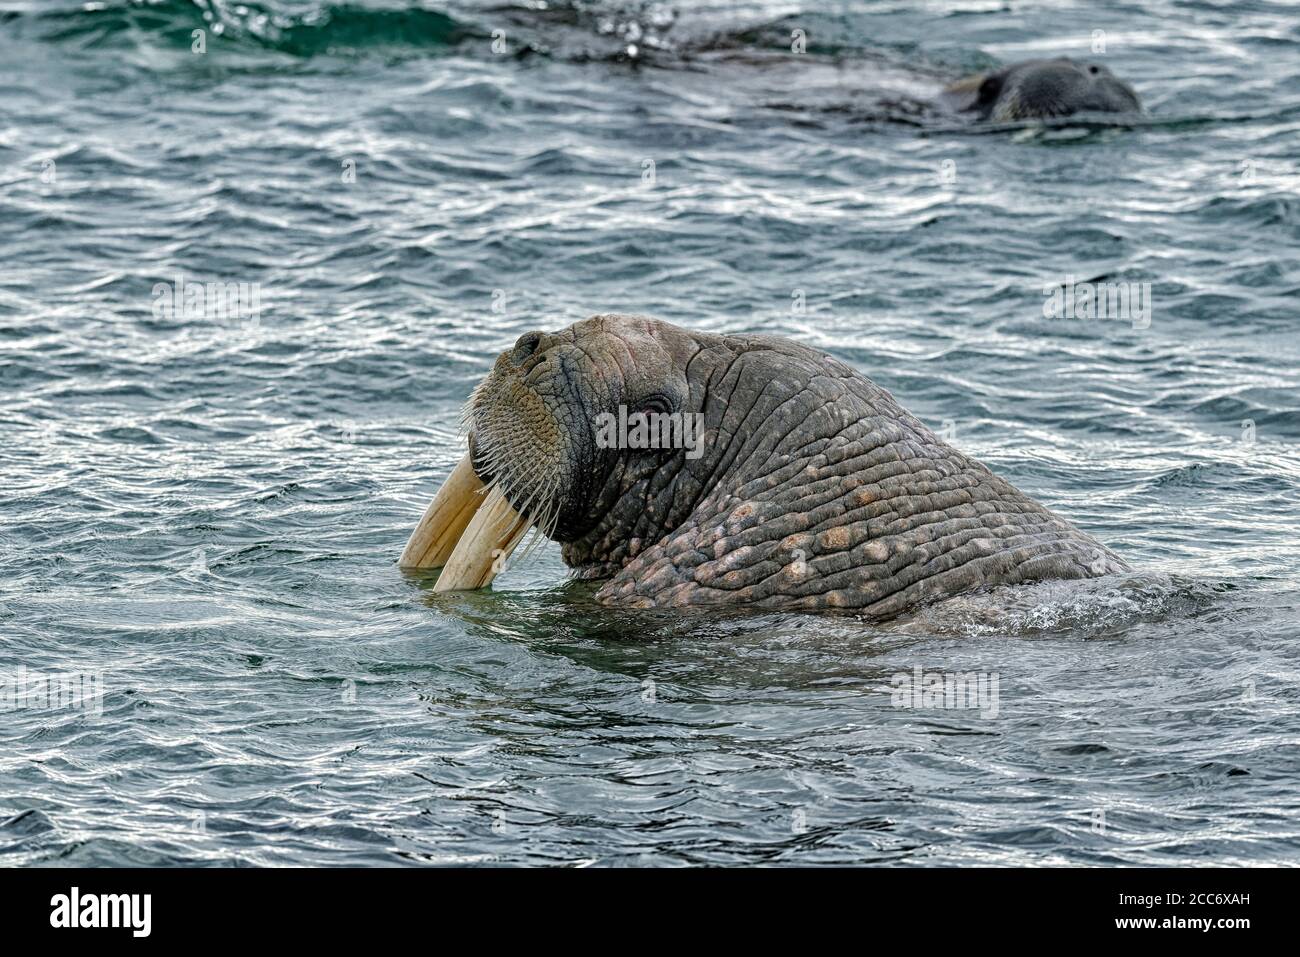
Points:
point(1041, 89)
point(690, 468)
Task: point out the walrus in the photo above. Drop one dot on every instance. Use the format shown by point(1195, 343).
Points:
point(1037, 89)
point(1042, 89)
point(805, 487)
point(673, 39)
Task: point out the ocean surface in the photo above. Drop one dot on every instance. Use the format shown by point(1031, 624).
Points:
point(201, 509)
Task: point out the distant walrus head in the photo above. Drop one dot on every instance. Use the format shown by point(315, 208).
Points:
point(699, 469)
point(1040, 89)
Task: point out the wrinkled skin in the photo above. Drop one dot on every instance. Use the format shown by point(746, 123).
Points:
point(814, 490)
point(1042, 89)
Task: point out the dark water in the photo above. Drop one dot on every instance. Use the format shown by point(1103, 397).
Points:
point(205, 511)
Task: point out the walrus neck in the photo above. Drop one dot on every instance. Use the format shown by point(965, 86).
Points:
point(873, 512)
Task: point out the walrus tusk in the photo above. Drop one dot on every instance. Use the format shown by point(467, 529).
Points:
point(969, 84)
point(445, 519)
point(492, 535)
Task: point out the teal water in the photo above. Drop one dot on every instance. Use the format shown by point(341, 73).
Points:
point(204, 512)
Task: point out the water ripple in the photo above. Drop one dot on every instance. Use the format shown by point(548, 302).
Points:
point(205, 509)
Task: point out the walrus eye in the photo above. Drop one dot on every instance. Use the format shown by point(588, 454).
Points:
point(1093, 69)
point(654, 404)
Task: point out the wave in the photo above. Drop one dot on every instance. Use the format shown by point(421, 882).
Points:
point(1090, 608)
point(630, 31)
point(334, 29)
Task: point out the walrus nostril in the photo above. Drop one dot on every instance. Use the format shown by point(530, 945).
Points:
point(525, 346)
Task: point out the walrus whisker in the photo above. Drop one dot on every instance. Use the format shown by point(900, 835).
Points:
point(540, 505)
point(534, 542)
